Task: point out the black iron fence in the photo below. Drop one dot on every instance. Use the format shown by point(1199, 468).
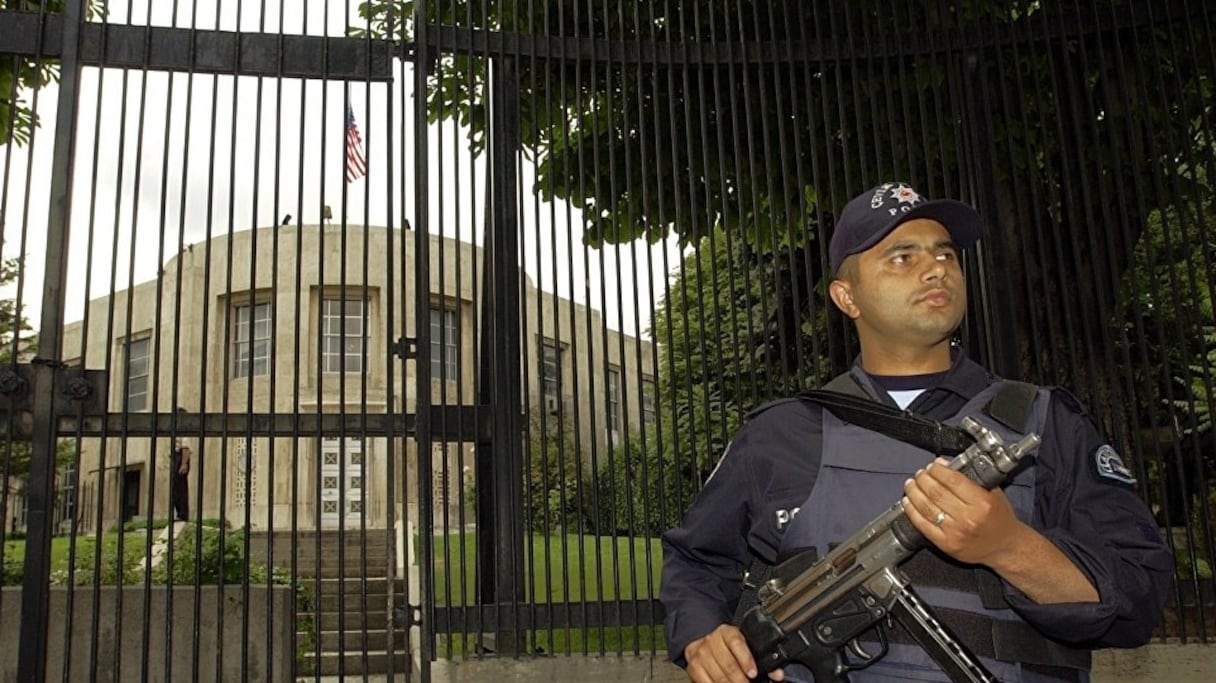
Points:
point(454, 305)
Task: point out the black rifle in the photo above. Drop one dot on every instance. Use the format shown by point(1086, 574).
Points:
point(809, 614)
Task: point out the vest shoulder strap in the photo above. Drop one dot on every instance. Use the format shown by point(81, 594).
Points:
point(1013, 404)
point(847, 400)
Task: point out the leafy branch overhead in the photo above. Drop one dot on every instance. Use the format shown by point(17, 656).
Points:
point(655, 118)
point(20, 77)
point(614, 138)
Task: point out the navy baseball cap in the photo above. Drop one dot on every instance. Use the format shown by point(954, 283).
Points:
point(872, 215)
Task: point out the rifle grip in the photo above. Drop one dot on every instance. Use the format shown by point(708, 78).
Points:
point(824, 664)
point(907, 535)
point(827, 668)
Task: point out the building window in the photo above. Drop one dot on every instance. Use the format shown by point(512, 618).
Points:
point(342, 335)
point(551, 369)
point(614, 402)
point(137, 374)
point(444, 342)
point(67, 496)
point(251, 340)
point(649, 413)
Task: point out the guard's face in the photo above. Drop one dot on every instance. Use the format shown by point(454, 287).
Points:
point(908, 289)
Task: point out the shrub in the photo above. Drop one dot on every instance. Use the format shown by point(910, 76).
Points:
point(642, 493)
point(140, 524)
point(199, 558)
point(11, 571)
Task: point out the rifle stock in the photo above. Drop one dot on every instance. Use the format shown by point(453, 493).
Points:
point(810, 614)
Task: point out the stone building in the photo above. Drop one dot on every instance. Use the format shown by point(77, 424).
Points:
point(301, 320)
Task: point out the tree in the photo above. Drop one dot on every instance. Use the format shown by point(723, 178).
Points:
point(766, 149)
point(556, 491)
point(21, 75)
point(1168, 319)
point(15, 342)
point(747, 123)
point(736, 328)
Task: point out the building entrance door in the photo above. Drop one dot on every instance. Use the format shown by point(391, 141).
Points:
point(130, 494)
point(342, 473)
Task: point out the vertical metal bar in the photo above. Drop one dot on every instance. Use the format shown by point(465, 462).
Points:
point(422, 371)
point(8, 454)
point(503, 243)
point(35, 594)
point(272, 386)
point(648, 72)
point(997, 309)
point(602, 73)
point(35, 597)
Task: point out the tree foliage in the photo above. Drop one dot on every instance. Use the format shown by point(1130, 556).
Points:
point(760, 118)
point(1168, 319)
point(20, 76)
point(767, 146)
point(741, 126)
point(557, 493)
point(733, 334)
point(15, 341)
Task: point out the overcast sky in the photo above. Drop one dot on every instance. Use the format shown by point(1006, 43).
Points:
point(143, 137)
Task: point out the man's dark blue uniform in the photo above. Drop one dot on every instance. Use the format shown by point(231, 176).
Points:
point(770, 466)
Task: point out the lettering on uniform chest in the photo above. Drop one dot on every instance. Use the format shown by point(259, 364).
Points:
point(784, 517)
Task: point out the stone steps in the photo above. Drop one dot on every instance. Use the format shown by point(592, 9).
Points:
point(347, 575)
point(352, 663)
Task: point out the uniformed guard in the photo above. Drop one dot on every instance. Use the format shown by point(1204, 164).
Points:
point(1064, 559)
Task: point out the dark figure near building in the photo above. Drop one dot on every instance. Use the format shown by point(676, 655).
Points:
point(179, 491)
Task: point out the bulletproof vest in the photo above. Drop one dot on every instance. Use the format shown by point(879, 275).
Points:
point(862, 472)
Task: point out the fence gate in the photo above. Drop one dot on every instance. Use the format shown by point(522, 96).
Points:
point(208, 467)
point(357, 338)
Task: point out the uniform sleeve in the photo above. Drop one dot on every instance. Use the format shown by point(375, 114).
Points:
point(703, 558)
point(1086, 504)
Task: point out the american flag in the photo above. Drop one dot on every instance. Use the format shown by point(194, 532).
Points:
point(356, 165)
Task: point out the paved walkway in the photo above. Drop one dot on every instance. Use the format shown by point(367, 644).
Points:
point(1156, 663)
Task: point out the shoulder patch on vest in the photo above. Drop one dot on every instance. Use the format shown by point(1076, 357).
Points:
point(1109, 465)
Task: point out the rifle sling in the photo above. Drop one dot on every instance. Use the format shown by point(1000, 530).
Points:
point(903, 425)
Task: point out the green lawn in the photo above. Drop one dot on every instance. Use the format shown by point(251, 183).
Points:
point(574, 573)
point(578, 569)
point(568, 568)
point(86, 555)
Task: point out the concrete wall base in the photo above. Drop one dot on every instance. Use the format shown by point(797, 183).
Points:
point(115, 648)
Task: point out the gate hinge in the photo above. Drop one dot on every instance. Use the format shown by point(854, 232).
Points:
point(77, 391)
point(405, 348)
point(407, 616)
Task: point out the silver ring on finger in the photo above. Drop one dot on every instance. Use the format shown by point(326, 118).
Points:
point(941, 517)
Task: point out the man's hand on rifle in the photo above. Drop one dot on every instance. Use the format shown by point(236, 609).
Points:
point(974, 525)
point(723, 657)
point(963, 519)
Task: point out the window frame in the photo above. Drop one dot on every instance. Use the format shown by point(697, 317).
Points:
point(445, 346)
point(551, 386)
point(348, 310)
point(650, 410)
point(612, 398)
point(250, 363)
point(129, 360)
